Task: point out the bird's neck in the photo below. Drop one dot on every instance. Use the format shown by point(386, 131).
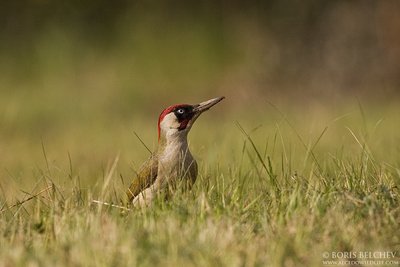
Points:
point(174, 157)
point(176, 142)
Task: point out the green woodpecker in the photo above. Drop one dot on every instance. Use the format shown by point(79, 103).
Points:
point(172, 163)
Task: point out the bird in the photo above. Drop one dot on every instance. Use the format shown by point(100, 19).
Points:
point(172, 163)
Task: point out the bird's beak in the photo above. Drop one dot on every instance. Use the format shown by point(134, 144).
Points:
point(206, 105)
point(203, 106)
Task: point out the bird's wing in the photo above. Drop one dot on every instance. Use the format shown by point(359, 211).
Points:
point(145, 177)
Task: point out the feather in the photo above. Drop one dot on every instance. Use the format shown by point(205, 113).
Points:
point(145, 177)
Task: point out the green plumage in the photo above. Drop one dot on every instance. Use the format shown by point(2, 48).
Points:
point(145, 177)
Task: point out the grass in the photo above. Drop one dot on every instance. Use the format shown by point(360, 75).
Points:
point(278, 188)
point(279, 184)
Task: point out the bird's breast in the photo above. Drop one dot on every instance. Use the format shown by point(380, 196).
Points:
point(177, 163)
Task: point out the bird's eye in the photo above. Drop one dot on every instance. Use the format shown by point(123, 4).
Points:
point(180, 111)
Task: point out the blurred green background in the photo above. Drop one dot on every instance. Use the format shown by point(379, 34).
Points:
point(80, 77)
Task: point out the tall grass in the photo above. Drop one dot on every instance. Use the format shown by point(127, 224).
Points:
point(276, 190)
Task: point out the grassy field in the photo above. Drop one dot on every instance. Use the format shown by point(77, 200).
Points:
point(278, 185)
point(299, 165)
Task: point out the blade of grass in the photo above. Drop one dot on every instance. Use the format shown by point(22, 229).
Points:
point(271, 175)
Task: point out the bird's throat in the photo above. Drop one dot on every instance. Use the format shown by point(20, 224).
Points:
point(178, 138)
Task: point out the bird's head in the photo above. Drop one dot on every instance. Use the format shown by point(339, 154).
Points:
point(177, 120)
